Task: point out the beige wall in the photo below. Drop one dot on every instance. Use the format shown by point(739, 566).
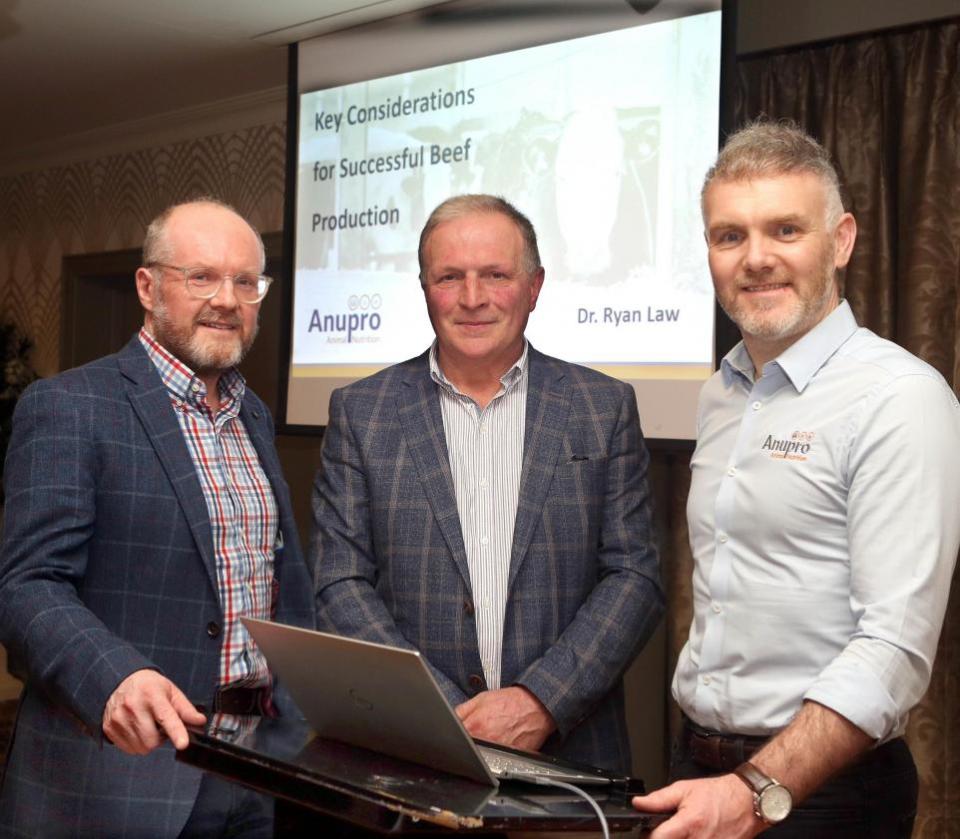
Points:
point(105, 204)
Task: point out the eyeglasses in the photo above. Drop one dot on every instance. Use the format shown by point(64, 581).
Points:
point(205, 283)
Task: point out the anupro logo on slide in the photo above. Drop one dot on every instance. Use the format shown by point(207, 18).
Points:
point(349, 327)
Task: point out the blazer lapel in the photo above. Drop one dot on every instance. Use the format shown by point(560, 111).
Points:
point(548, 405)
point(418, 409)
point(151, 402)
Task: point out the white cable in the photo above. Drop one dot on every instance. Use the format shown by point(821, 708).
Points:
point(551, 782)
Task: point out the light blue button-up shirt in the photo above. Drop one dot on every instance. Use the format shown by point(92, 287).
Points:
point(824, 517)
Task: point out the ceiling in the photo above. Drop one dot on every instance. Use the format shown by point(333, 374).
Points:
point(73, 72)
point(71, 66)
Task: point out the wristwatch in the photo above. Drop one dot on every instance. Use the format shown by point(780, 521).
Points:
point(772, 801)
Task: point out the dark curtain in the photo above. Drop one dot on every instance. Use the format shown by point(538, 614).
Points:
point(887, 107)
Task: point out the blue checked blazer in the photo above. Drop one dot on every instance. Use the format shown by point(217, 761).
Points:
point(584, 592)
point(108, 567)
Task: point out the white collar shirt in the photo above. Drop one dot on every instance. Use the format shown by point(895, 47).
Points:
point(485, 448)
point(823, 520)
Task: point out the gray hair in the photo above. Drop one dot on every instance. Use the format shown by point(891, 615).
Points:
point(466, 205)
point(156, 247)
point(764, 148)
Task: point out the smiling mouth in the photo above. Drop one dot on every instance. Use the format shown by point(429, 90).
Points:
point(224, 327)
point(760, 288)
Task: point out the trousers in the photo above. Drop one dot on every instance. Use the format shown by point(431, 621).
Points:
point(875, 798)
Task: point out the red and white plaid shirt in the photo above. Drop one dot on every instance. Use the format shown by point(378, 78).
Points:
point(243, 511)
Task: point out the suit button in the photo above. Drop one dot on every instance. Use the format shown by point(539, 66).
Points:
point(468, 607)
point(475, 681)
point(213, 629)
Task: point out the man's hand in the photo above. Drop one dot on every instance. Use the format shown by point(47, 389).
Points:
point(510, 716)
point(712, 807)
point(145, 709)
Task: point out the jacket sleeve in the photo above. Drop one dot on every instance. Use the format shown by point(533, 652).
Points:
point(343, 554)
point(50, 481)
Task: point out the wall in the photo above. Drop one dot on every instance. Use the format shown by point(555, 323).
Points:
point(105, 204)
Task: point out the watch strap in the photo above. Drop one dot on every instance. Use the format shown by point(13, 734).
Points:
point(753, 777)
point(760, 783)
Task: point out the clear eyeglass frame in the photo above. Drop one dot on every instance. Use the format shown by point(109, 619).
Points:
point(205, 283)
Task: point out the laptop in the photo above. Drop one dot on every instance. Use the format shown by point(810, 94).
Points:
point(385, 699)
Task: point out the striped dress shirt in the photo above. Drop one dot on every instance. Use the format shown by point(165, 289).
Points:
point(485, 447)
point(244, 520)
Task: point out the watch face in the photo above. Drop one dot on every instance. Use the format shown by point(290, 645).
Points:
point(775, 803)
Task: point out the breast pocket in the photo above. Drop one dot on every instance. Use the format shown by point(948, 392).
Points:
point(581, 480)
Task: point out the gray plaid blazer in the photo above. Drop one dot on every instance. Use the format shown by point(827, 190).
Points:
point(108, 567)
point(584, 592)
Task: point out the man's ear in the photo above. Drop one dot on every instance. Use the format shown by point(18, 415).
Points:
point(844, 237)
point(536, 283)
point(146, 288)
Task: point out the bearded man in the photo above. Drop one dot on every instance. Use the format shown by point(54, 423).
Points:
point(823, 525)
point(146, 513)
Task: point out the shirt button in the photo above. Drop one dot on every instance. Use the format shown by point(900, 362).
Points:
point(731, 471)
point(484, 540)
point(756, 406)
point(483, 484)
point(722, 537)
point(706, 680)
point(717, 609)
point(195, 387)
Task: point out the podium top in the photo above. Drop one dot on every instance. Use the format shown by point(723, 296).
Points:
point(285, 759)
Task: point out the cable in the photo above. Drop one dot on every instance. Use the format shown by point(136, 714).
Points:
point(543, 781)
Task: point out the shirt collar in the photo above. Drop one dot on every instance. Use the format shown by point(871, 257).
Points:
point(802, 359)
point(186, 386)
point(508, 379)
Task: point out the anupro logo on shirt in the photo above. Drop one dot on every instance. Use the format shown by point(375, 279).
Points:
point(796, 448)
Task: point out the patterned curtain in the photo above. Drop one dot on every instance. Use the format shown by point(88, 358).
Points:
point(887, 107)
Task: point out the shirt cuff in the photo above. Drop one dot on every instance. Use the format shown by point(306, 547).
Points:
point(857, 694)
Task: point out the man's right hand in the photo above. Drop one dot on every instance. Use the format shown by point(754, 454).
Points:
point(708, 808)
point(145, 709)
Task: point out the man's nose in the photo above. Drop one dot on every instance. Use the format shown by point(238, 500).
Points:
point(226, 297)
point(759, 254)
point(474, 292)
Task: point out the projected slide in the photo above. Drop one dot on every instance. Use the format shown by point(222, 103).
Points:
point(602, 141)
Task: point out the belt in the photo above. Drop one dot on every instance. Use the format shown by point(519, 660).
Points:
point(239, 700)
point(720, 752)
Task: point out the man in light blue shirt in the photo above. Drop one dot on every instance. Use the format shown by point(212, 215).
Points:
point(823, 522)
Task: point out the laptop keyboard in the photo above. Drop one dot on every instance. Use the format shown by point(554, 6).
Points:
point(504, 764)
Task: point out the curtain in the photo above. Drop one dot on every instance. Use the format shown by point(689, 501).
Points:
point(887, 107)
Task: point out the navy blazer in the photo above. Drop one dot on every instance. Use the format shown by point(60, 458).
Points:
point(108, 567)
point(583, 589)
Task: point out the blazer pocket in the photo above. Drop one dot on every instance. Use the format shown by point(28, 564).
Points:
point(584, 461)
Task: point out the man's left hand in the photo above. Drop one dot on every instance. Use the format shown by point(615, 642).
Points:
point(510, 716)
point(711, 808)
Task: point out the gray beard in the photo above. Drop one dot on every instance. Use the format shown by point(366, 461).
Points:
point(188, 346)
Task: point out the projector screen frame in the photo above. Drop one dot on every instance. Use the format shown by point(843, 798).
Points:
point(725, 332)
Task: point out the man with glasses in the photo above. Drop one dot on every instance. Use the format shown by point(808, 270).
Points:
point(146, 512)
